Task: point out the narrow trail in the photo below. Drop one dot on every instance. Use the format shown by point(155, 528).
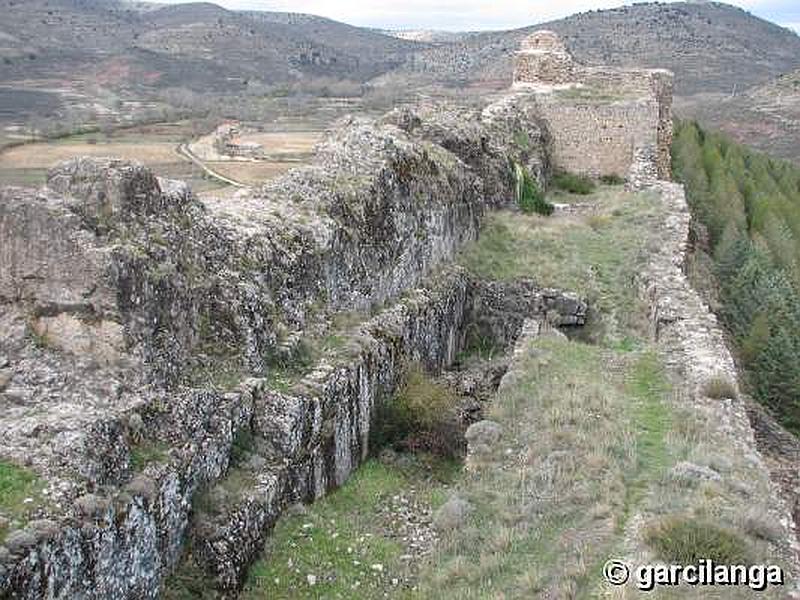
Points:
point(183, 151)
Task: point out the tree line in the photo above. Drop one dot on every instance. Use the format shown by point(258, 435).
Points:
point(747, 206)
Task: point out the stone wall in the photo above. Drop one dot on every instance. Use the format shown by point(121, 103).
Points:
point(544, 58)
point(693, 346)
point(595, 137)
point(138, 324)
point(597, 117)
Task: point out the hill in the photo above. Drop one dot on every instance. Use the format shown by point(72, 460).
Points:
point(766, 116)
point(80, 45)
point(709, 46)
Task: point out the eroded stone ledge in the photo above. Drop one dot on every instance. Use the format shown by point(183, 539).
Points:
point(693, 346)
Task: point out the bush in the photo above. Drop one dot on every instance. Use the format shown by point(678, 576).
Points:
point(719, 388)
point(572, 183)
point(422, 416)
point(683, 540)
point(612, 179)
point(529, 197)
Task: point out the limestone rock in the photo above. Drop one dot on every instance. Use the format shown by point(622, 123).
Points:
point(692, 473)
point(91, 505)
point(43, 529)
point(20, 541)
point(452, 514)
point(484, 433)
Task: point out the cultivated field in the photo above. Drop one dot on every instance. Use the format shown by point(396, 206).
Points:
point(153, 145)
point(156, 146)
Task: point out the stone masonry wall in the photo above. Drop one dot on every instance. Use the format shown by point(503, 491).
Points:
point(598, 138)
point(597, 117)
point(693, 345)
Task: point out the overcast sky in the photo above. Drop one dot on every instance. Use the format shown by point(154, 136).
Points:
point(460, 15)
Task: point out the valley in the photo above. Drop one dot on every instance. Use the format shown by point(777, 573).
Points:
point(291, 308)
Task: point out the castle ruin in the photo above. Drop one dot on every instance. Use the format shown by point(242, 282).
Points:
point(145, 330)
point(599, 118)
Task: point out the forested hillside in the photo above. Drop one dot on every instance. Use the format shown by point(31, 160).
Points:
point(749, 204)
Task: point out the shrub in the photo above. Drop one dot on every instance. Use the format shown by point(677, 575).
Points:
point(612, 179)
point(575, 184)
point(685, 541)
point(719, 387)
point(597, 222)
point(422, 416)
point(529, 197)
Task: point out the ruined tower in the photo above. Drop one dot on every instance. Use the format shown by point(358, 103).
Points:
point(602, 120)
point(543, 59)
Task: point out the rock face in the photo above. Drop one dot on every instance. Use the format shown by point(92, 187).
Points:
point(144, 333)
point(452, 514)
point(320, 428)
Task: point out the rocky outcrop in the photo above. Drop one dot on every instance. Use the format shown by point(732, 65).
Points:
point(491, 141)
point(320, 428)
point(143, 331)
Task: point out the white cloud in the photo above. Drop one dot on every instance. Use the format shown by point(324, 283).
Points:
point(460, 15)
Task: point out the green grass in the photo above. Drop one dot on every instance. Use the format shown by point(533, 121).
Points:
point(522, 140)
point(148, 452)
point(16, 485)
point(340, 537)
point(585, 430)
point(597, 255)
point(530, 198)
point(572, 183)
point(591, 433)
point(686, 541)
point(652, 418)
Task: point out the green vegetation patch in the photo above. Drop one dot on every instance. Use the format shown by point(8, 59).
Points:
point(719, 387)
point(551, 501)
point(530, 198)
point(420, 417)
point(612, 179)
point(749, 207)
point(649, 388)
point(347, 544)
point(148, 452)
point(597, 254)
point(573, 183)
point(685, 541)
point(17, 485)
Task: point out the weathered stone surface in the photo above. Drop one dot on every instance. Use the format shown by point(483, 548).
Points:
point(543, 58)
point(598, 118)
point(321, 431)
point(693, 346)
point(19, 542)
point(692, 474)
point(489, 141)
point(119, 287)
point(484, 433)
point(452, 514)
